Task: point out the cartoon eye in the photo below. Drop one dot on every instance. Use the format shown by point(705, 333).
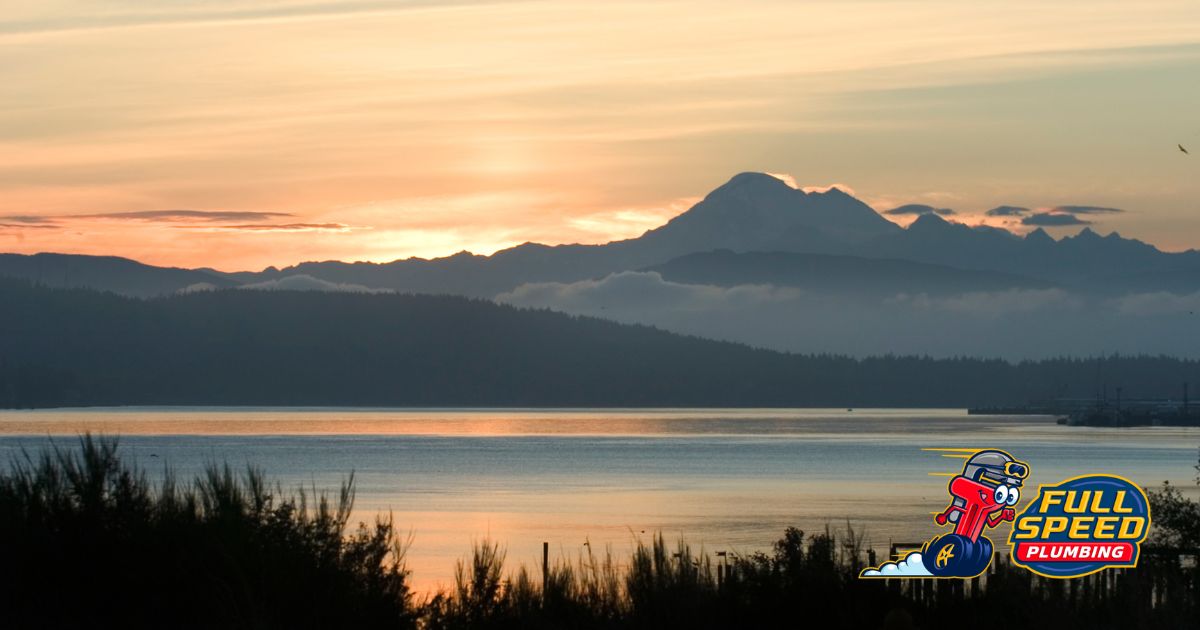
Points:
point(1014, 495)
point(1001, 494)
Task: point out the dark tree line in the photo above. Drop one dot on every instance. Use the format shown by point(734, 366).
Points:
point(74, 347)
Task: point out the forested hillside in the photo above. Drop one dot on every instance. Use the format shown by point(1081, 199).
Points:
point(237, 347)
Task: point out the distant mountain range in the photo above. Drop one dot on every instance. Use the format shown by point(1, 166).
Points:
point(847, 275)
point(1086, 261)
point(106, 273)
point(753, 212)
point(762, 263)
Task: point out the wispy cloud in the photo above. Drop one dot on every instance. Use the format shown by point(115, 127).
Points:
point(131, 105)
point(277, 227)
point(916, 209)
point(305, 282)
point(297, 282)
point(209, 220)
point(26, 219)
point(29, 226)
point(184, 215)
point(1053, 219)
point(27, 222)
point(1014, 324)
point(1086, 210)
point(116, 16)
point(1007, 211)
point(826, 188)
point(785, 178)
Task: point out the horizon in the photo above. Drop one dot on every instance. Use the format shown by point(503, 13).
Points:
point(899, 215)
point(360, 309)
point(255, 133)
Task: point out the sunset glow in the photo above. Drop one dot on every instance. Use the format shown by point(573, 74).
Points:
point(294, 131)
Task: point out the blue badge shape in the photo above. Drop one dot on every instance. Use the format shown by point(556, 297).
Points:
point(1080, 526)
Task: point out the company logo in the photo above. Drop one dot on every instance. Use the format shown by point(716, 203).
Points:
point(1080, 526)
point(982, 496)
point(1076, 527)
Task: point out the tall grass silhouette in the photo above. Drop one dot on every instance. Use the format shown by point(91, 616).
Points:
point(87, 540)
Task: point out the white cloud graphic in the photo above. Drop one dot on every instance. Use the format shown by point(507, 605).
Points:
point(910, 566)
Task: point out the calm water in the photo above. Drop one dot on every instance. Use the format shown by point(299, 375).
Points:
point(724, 479)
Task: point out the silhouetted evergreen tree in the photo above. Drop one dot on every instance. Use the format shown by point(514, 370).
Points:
point(236, 347)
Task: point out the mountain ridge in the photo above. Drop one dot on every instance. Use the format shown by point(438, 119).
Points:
point(752, 212)
point(845, 275)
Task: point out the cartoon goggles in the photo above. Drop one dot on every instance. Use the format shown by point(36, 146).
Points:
point(1014, 471)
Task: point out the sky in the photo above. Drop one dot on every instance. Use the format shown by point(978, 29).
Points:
point(237, 134)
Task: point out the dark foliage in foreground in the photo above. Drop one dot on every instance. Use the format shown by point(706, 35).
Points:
point(73, 347)
point(87, 541)
point(808, 582)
